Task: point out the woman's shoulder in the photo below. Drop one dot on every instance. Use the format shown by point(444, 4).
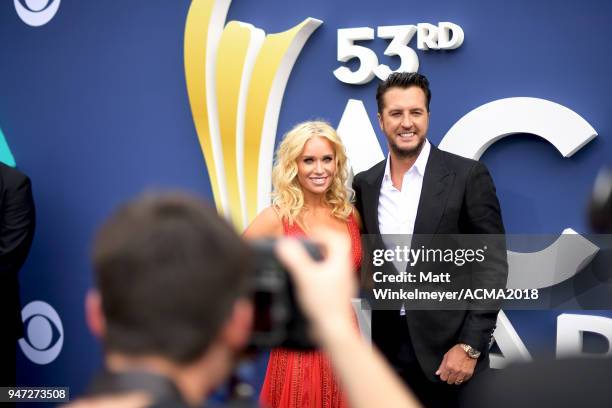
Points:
point(267, 223)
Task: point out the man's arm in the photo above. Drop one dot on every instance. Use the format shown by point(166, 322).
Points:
point(357, 189)
point(481, 214)
point(17, 220)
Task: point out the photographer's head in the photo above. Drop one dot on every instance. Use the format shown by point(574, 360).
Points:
point(172, 281)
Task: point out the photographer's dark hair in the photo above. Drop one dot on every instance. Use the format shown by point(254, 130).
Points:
point(402, 80)
point(169, 270)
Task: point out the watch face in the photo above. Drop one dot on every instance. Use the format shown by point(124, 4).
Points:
point(471, 352)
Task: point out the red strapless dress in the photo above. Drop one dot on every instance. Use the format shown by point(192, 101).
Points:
point(305, 379)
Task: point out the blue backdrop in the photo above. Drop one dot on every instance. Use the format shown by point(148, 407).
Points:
point(95, 109)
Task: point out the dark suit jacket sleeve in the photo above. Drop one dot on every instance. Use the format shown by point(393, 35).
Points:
point(358, 202)
point(481, 214)
point(17, 219)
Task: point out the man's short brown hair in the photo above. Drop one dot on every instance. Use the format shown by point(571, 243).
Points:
point(169, 270)
point(402, 80)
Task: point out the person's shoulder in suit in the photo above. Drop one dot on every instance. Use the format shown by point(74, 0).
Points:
point(468, 171)
point(11, 177)
point(455, 162)
point(359, 177)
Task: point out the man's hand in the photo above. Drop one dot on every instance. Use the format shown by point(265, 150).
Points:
point(456, 367)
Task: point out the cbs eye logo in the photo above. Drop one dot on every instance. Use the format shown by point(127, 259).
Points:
point(36, 12)
point(44, 332)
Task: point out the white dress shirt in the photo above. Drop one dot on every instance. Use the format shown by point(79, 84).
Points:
point(397, 209)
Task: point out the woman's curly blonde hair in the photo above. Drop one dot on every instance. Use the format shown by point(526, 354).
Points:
point(287, 195)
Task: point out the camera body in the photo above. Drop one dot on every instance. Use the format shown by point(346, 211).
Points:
point(279, 321)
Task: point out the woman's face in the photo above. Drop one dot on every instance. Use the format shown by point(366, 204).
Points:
point(316, 165)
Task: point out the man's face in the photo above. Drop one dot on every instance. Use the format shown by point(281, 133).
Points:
point(404, 120)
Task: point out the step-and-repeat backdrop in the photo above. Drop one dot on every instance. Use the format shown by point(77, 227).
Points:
point(102, 100)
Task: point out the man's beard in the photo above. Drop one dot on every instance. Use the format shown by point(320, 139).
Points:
point(406, 153)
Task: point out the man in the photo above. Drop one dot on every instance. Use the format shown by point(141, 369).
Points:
point(172, 311)
point(171, 303)
point(17, 220)
point(420, 189)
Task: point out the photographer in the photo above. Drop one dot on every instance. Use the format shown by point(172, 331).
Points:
point(171, 306)
point(172, 311)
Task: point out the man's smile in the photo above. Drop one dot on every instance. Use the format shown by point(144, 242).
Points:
point(406, 135)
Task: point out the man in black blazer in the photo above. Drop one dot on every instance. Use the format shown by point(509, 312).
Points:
point(16, 232)
point(420, 189)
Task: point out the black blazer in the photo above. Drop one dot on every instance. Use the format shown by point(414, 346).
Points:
point(17, 219)
point(457, 197)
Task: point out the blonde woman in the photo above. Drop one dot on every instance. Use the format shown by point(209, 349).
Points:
point(309, 193)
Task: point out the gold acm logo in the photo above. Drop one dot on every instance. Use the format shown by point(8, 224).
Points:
point(236, 76)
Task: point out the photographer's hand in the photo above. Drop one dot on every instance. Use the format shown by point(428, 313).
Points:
point(326, 287)
point(324, 291)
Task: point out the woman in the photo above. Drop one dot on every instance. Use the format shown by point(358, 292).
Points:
point(309, 193)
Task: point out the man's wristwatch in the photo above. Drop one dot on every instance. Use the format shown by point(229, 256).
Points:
point(471, 351)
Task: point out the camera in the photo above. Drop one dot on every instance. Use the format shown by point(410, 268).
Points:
point(279, 321)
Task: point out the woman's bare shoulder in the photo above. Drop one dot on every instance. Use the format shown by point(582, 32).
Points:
point(266, 224)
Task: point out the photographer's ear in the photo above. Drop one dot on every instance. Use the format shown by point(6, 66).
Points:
point(237, 330)
point(93, 313)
